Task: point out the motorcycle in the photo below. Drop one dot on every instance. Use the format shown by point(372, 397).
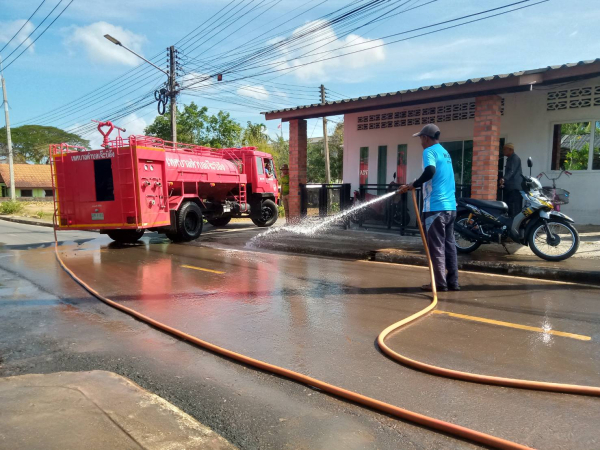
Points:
point(549, 233)
point(377, 211)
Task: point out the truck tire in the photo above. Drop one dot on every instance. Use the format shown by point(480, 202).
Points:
point(267, 215)
point(219, 221)
point(125, 236)
point(189, 222)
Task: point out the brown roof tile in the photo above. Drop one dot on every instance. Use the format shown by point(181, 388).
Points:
point(27, 175)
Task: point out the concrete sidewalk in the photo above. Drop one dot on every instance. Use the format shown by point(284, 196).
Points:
point(583, 267)
point(94, 410)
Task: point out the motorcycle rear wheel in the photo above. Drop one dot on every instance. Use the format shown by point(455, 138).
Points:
point(558, 250)
point(464, 245)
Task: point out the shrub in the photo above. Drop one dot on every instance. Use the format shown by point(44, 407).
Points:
point(11, 207)
point(281, 211)
point(39, 214)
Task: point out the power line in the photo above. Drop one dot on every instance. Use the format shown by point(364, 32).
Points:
point(34, 30)
point(26, 22)
point(393, 42)
point(40, 35)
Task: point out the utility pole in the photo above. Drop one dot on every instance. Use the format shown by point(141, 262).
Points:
point(325, 143)
point(11, 168)
point(173, 92)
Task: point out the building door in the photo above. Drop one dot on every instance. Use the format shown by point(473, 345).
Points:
point(382, 165)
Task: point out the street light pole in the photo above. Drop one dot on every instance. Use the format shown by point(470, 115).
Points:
point(172, 83)
point(11, 168)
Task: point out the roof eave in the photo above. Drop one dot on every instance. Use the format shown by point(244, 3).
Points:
point(499, 84)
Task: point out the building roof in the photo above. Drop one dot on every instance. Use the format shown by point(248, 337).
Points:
point(27, 175)
point(494, 84)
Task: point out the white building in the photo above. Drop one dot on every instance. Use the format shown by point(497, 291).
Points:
point(551, 115)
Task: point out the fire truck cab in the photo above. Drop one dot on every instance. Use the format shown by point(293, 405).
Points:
point(145, 183)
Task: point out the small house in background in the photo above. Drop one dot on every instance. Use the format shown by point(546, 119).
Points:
point(31, 180)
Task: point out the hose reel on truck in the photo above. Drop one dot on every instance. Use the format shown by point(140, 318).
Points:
point(145, 183)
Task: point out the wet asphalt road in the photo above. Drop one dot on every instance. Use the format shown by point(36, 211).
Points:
point(317, 316)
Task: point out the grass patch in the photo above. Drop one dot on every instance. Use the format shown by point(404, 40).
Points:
point(11, 207)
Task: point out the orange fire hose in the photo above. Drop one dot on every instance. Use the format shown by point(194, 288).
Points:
point(430, 422)
point(466, 376)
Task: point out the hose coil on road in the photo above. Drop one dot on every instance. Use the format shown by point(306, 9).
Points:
point(430, 422)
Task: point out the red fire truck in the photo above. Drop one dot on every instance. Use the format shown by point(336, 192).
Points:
point(145, 183)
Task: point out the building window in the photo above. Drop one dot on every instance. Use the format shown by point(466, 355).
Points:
point(576, 146)
point(49, 192)
point(363, 169)
point(461, 153)
point(26, 193)
point(401, 164)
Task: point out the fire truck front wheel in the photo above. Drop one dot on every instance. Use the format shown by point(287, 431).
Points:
point(125, 236)
point(189, 222)
point(267, 215)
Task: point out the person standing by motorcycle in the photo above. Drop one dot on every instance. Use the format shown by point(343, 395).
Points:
point(439, 208)
point(511, 182)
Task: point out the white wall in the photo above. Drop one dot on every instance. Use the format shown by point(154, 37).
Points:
point(526, 123)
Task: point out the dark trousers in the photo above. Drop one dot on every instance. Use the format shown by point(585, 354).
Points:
point(512, 197)
point(439, 226)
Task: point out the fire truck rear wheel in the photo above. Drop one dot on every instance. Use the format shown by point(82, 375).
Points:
point(189, 222)
point(219, 221)
point(125, 236)
point(268, 214)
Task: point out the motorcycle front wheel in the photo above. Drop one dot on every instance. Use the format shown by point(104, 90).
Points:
point(562, 245)
point(464, 245)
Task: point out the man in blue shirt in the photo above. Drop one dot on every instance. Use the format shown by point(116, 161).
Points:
point(439, 208)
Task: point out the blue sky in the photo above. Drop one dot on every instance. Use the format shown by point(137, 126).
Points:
point(73, 58)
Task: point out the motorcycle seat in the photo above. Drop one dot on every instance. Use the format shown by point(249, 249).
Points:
point(489, 204)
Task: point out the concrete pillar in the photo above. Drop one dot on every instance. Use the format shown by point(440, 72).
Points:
point(486, 147)
point(298, 144)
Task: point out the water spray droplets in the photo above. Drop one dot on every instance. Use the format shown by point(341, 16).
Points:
point(313, 226)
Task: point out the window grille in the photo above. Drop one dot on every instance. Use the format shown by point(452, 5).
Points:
point(575, 98)
point(443, 113)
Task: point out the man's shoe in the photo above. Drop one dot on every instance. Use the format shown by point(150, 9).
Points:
point(427, 287)
point(454, 288)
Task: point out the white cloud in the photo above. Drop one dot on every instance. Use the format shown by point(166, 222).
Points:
point(255, 91)
point(8, 29)
point(325, 46)
point(134, 125)
point(196, 80)
point(91, 39)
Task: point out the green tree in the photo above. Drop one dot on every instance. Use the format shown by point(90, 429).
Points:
point(222, 131)
point(254, 134)
point(279, 148)
point(577, 154)
point(196, 126)
point(31, 142)
point(316, 157)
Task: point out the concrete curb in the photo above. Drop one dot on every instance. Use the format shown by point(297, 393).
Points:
point(500, 268)
point(27, 221)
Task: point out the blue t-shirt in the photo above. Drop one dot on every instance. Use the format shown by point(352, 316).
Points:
point(439, 192)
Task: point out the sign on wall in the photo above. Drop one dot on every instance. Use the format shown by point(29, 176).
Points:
point(363, 169)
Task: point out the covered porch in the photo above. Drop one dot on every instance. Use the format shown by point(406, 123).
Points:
point(470, 114)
